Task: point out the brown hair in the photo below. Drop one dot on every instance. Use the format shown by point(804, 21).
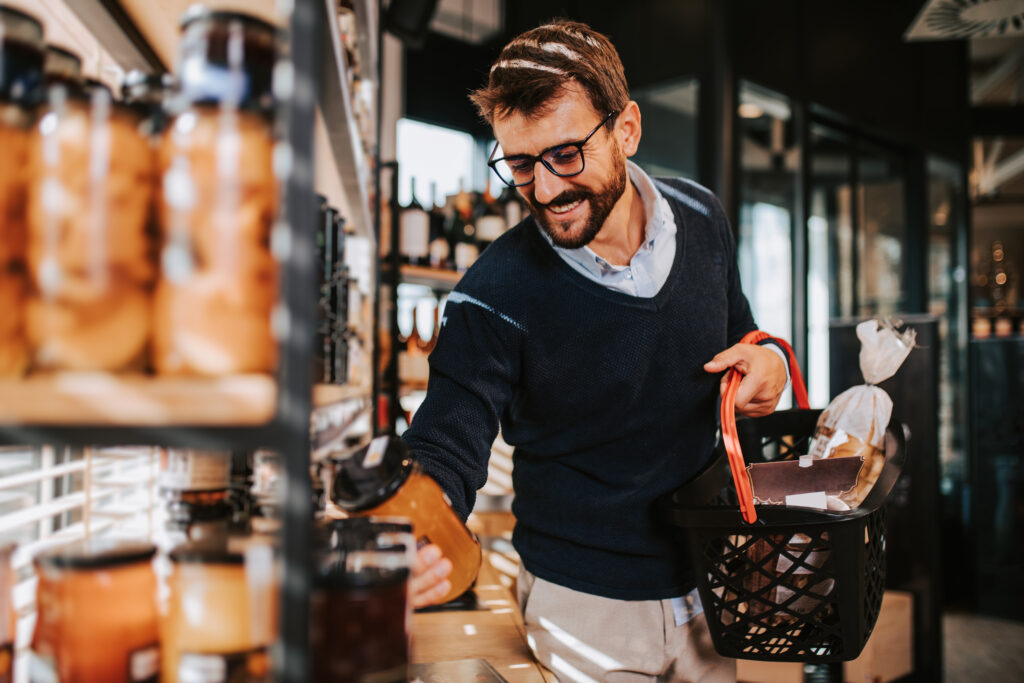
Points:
point(535, 68)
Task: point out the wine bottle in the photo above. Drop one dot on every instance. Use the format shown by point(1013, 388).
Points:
point(427, 343)
point(414, 232)
point(511, 206)
point(463, 232)
point(440, 250)
point(490, 223)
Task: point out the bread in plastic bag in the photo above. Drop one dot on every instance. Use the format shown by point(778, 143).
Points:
point(853, 424)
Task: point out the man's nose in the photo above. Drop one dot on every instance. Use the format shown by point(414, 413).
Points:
point(546, 185)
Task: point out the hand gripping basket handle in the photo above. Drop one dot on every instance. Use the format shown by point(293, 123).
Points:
point(729, 437)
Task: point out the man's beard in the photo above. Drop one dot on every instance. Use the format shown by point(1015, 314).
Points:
point(601, 204)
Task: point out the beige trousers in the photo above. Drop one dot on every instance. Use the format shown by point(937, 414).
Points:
point(582, 638)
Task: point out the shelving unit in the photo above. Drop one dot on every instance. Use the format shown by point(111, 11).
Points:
point(435, 278)
point(285, 412)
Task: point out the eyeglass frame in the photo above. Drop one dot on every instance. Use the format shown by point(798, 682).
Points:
point(578, 144)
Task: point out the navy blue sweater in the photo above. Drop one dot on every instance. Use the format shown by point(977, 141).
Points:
point(602, 395)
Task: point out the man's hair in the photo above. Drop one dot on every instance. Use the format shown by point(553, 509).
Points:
point(536, 67)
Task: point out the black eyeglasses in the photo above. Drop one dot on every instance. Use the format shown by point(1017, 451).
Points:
point(563, 160)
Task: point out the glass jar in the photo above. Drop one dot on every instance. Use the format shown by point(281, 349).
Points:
point(196, 486)
point(97, 615)
point(21, 79)
point(221, 614)
point(384, 480)
point(7, 614)
point(219, 199)
point(360, 598)
point(90, 257)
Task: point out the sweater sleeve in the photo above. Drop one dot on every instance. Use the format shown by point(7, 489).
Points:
point(473, 369)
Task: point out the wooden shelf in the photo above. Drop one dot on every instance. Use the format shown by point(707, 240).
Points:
point(102, 399)
point(432, 277)
point(329, 394)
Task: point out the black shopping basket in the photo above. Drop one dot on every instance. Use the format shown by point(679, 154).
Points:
point(782, 583)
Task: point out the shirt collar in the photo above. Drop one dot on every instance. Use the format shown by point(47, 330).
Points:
point(659, 223)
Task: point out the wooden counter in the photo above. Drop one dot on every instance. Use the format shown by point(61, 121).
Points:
point(494, 633)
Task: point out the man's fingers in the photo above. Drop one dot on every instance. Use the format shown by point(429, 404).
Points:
point(432, 595)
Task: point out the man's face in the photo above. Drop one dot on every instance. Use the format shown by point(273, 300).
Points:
point(571, 210)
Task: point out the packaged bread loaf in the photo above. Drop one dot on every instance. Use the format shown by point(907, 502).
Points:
point(90, 256)
point(854, 423)
point(217, 202)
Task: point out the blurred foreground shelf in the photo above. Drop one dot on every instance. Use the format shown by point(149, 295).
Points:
point(101, 399)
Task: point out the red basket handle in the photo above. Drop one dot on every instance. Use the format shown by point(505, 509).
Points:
point(730, 439)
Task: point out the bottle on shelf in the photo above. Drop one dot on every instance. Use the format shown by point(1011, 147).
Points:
point(429, 341)
point(511, 205)
point(440, 250)
point(414, 232)
point(490, 222)
point(462, 232)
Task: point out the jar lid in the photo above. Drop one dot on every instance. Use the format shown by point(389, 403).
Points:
point(62, 64)
point(96, 553)
point(372, 474)
point(21, 56)
point(213, 70)
point(218, 551)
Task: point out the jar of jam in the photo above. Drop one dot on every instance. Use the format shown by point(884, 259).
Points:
point(218, 201)
point(360, 598)
point(7, 614)
point(97, 614)
point(384, 480)
point(90, 255)
point(196, 485)
point(221, 614)
point(21, 81)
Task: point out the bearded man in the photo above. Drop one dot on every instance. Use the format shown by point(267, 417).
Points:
point(595, 334)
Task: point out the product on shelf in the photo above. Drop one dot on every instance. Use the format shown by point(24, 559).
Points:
point(414, 231)
point(221, 613)
point(383, 480)
point(462, 232)
point(97, 614)
point(7, 614)
point(490, 221)
point(196, 485)
point(219, 198)
point(440, 250)
point(21, 79)
point(360, 598)
point(89, 253)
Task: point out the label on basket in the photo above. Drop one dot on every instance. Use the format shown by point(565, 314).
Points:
point(687, 607)
point(815, 499)
point(252, 666)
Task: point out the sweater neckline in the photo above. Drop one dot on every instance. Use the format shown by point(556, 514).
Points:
point(578, 279)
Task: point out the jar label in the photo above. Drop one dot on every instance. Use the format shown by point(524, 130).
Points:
point(375, 453)
point(252, 666)
point(6, 662)
point(144, 664)
point(42, 668)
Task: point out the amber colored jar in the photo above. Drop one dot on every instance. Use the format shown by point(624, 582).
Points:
point(97, 615)
point(218, 201)
point(7, 615)
point(90, 256)
point(384, 480)
point(21, 79)
point(221, 615)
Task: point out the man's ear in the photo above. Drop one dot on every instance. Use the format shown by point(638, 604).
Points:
point(627, 128)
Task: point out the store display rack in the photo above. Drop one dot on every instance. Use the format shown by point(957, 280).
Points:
point(286, 413)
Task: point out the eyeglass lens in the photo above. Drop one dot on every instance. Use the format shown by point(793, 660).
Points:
point(563, 161)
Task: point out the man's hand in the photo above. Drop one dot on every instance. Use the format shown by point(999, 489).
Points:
point(764, 377)
point(429, 576)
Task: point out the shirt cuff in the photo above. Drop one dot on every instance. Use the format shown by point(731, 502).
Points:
point(783, 355)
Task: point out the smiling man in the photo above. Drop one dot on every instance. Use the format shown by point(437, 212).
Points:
point(595, 334)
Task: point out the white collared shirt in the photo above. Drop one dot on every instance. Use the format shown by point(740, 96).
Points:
point(649, 267)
